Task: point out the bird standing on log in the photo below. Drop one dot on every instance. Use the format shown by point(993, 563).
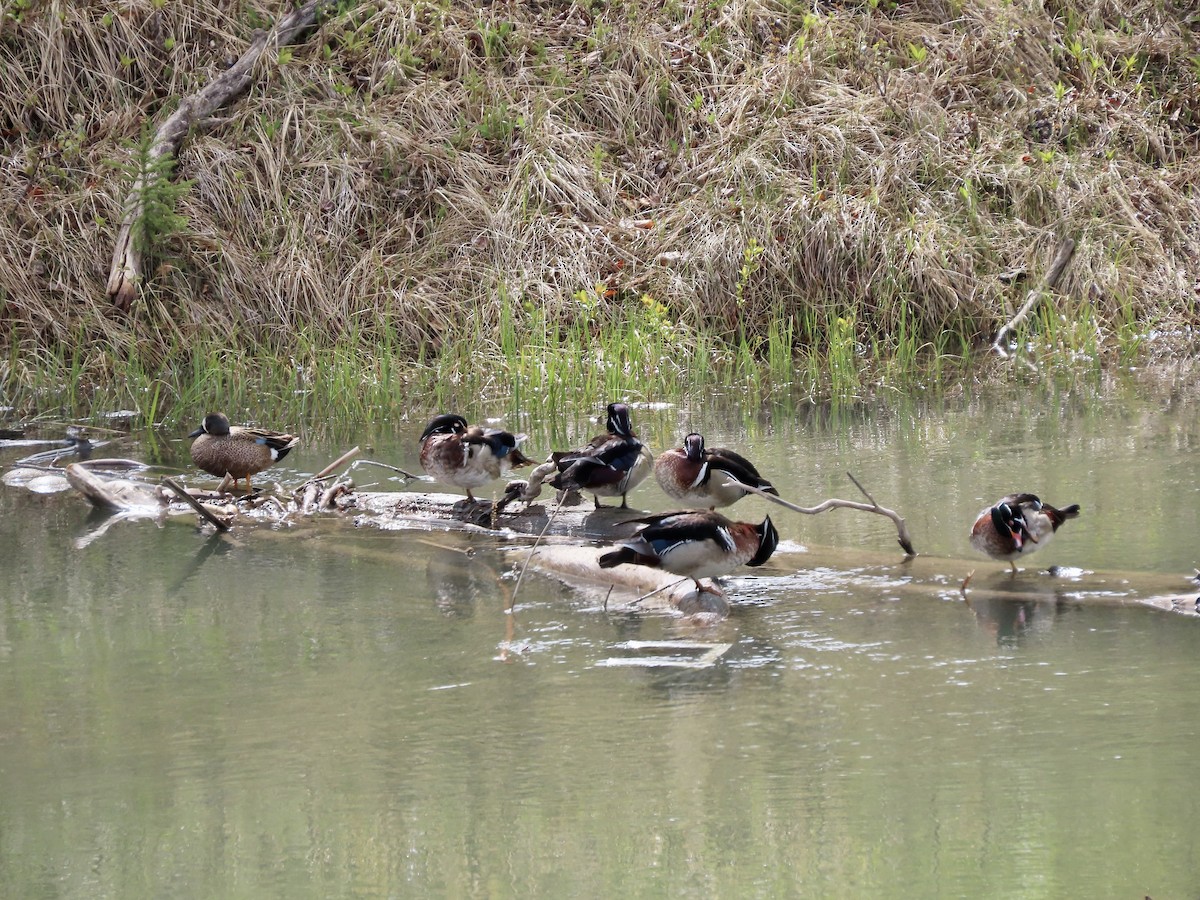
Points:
point(706, 477)
point(695, 544)
point(221, 449)
point(468, 456)
point(1017, 525)
point(610, 465)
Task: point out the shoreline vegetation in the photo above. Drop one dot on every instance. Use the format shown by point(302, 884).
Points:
point(579, 198)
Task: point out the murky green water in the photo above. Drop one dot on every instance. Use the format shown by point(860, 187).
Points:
point(329, 711)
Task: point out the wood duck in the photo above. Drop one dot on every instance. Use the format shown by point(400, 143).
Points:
point(221, 449)
point(1017, 525)
point(703, 477)
point(696, 544)
point(611, 465)
point(468, 456)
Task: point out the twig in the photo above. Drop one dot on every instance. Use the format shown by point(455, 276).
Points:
point(336, 464)
point(529, 556)
point(902, 535)
point(659, 590)
point(194, 503)
point(1066, 250)
point(371, 462)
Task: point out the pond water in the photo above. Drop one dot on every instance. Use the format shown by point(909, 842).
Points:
point(320, 710)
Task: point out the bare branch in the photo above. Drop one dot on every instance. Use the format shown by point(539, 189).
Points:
point(1066, 250)
point(195, 504)
point(902, 535)
point(337, 463)
point(126, 268)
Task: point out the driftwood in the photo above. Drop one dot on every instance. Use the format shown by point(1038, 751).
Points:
point(902, 535)
point(126, 269)
point(1062, 258)
point(195, 504)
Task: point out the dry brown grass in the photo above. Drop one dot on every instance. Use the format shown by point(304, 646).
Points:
point(413, 164)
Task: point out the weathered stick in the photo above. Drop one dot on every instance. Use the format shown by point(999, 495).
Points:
point(337, 463)
point(1066, 250)
point(195, 504)
point(902, 535)
point(126, 268)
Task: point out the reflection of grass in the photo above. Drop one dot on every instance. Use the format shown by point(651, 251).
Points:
point(488, 197)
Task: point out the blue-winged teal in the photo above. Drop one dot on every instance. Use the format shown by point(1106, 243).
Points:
point(1017, 525)
point(610, 465)
point(699, 476)
point(696, 544)
point(468, 456)
point(221, 449)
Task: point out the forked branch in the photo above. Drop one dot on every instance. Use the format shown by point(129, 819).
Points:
point(902, 535)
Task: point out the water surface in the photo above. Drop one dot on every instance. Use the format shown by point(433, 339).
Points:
point(320, 710)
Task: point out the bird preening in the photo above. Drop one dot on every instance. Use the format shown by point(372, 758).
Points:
point(695, 544)
point(1017, 525)
point(468, 456)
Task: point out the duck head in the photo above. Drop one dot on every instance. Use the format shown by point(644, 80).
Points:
point(768, 540)
point(450, 423)
point(1010, 522)
point(618, 420)
point(693, 447)
point(214, 424)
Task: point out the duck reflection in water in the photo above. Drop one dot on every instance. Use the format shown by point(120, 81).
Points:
point(458, 578)
point(1025, 612)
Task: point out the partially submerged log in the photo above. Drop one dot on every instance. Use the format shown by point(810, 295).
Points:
point(563, 555)
point(639, 586)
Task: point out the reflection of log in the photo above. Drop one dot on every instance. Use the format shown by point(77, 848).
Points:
point(126, 269)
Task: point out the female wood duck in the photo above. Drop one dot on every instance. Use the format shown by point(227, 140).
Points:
point(1018, 524)
point(696, 544)
point(468, 456)
point(221, 449)
point(611, 465)
point(697, 476)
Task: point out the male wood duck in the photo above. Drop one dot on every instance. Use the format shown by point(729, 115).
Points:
point(696, 544)
point(611, 465)
point(704, 477)
point(1017, 525)
point(468, 456)
point(223, 449)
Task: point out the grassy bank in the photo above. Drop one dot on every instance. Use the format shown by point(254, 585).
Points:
point(629, 196)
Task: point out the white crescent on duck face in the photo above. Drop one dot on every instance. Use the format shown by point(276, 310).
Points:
point(706, 477)
point(610, 465)
point(1017, 525)
point(468, 456)
point(695, 544)
point(239, 452)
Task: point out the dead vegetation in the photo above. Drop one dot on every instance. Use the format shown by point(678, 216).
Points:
point(417, 174)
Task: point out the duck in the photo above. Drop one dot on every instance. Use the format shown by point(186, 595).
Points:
point(222, 449)
point(1016, 525)
point(704, 477)
point(610, 465)
point(459, 454)
point(695, 544)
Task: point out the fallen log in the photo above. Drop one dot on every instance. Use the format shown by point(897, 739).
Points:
point(125, 272)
